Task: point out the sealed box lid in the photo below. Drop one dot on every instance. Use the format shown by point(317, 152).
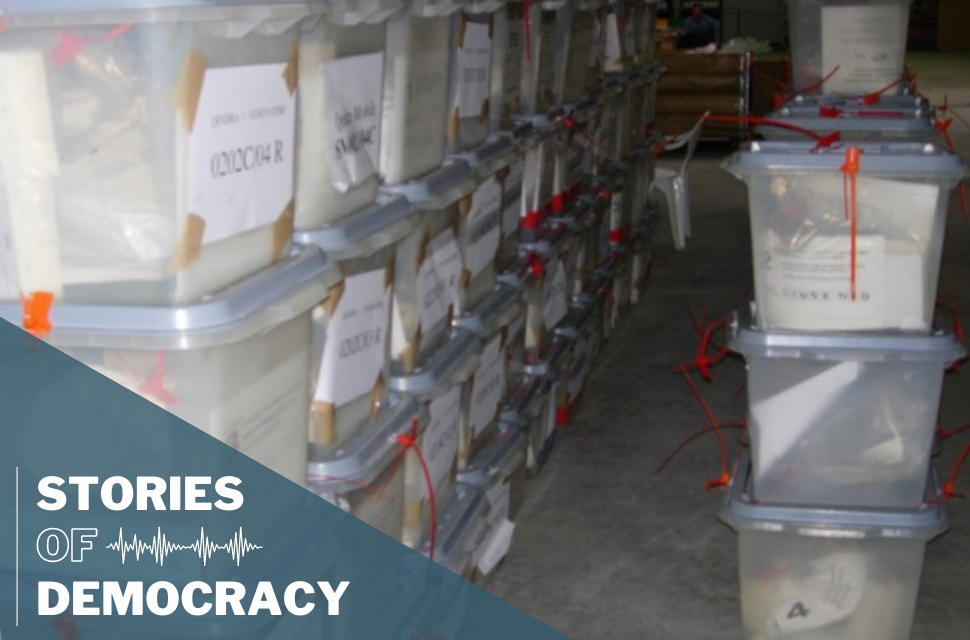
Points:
point(275, 295)
point(912, 125)
point(910, 105)
point(905, 160)
point(361, 459)
point(939, 346)
point(501, 455)
point(43, 13)
point(495, 312)
point(462, 525)
point(452, 364)
point(742, 513)
point(364, 233)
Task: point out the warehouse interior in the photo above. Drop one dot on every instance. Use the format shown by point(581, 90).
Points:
point(632, 313)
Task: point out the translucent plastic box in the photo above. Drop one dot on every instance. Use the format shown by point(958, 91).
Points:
point(462, 525)
point(439, 443)
point(646, 34)
point(339, 128)
point(508, 54)
point(365, 476)
point(854, 124)
point(499, 473)
point(814, 574)
point(575, 36)
point(537, 186)
point(236, 366)
point(553, 259)
point(639, 265)
point(147, 155)
point(859, 45)
point(511, 215)
point(845, 420)
point(583, 330)
point(470, 86)
point(538, 68)
point(532, 410)
point(480, 240)
point(415, 96)
point(351, 337)
point(809, 254)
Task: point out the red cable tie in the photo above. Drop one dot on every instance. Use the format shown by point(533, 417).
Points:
point(725, 462)
point(562, 416)
point(536, 265)
point(850, 171)
point(36, 313)
point(409, 441)
point(616, 236)
point(949, 487)
point(875, 96)
point(530, 221)
point(814, 87)
point(559, 202)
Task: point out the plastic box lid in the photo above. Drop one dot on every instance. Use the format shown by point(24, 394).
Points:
point(275, 295)
point(504, 451)
point(581, 314)
point(495, 312)
point(50, 13)
point(741, 513)
point(364, 233)
point(554, 354)
point(813, 104)
point(496, 153)
point(525, 403)
point(439, 189)
point(911, 160)
point(452, 364)
point(939, 346)
point(462, 525)
point(363, 457)
point(910, 124)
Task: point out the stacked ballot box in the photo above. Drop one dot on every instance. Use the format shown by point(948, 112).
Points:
point(845, 357)
point(336, 236)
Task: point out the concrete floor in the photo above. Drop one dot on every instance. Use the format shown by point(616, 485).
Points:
point(606, 548)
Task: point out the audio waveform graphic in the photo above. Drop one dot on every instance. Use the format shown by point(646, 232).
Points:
point(160, 547)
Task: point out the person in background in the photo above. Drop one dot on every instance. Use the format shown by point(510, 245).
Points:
point(700, 29)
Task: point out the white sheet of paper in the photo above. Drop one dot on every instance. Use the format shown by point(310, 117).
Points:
point(472, 69)
point(868, 45)
point(787, 417)
point(483, 226)
point(356, 345)
point(438, 278)
point(555, 295)
point(488, 386)
point(241, 150)
point(830, 593)
point(352, 117)
point(439, 444)
point(496, 547)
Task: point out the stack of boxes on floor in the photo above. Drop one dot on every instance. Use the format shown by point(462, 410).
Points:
point(837, 499)
point(332, 234)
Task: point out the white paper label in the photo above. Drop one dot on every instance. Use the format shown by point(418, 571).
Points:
point(352, 115)
point(488, 386)
point(866, 43)
point(356, 346)
point(438, 279)
point(439, 444)
point(555, 295)
point(830, 593)
point(473, 64)
point(241, 150)
point(483, 232)
point(799, 408)
point(810, 287)
point(496, 547)
point(499, 500)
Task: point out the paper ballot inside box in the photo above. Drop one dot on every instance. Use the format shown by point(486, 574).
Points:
point(789, 416)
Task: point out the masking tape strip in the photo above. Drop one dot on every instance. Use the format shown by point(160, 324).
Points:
point(189, 88)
